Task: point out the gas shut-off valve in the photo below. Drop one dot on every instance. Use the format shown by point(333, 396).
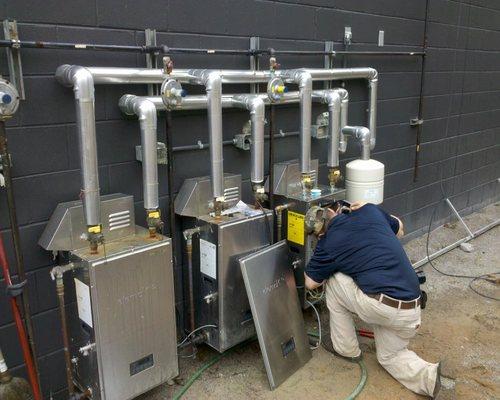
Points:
point(9, 99)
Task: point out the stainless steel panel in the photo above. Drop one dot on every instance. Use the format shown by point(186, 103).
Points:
point(133, 317)
point(300, 203)
point(289, 177)
point(270, 285)
point(67, 223)
point(196, 193)
point(223, 301)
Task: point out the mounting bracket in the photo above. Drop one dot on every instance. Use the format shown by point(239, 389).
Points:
point(14, 56)
point(254, 61)
point(151, 59)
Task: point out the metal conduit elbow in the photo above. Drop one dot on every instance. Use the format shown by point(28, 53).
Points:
point(82, 82)
point(363, 135)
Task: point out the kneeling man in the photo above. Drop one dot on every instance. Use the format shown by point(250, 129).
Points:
point(367, 272)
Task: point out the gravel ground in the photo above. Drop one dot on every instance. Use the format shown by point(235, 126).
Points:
point(459, 327)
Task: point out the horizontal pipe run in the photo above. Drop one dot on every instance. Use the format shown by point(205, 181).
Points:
point(38, 44)
point(203, 145)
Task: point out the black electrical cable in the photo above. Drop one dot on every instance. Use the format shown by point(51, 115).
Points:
point(483, 277)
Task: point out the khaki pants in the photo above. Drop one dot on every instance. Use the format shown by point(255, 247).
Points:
point(393, 330)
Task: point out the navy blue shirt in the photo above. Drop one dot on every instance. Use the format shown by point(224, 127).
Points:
point(363, 245)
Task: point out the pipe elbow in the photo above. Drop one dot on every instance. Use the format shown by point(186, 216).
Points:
point(145, 109)
point(80, 78)
point(64, 75)
point(213, 81)
point(363, 135)
point(126, 104)
point(304, 79)
point(343, 94)
point(257, 106)
point(333, 98)
point(372, 74)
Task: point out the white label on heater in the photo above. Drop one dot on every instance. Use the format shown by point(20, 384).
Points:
point(208, 258)
point(83, 301)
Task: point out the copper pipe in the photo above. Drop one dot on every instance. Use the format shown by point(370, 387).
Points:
point(64, 333)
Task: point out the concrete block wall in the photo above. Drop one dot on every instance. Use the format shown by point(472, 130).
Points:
point(460, 141)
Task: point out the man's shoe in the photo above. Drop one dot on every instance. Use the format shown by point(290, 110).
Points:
point(437, 386)
point(326, 342)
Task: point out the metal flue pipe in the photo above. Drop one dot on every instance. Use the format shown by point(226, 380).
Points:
point(257, 108)
point(146, 112)
point(213, 85)
point(337, 100)
point(304, 80)
point(83, 86)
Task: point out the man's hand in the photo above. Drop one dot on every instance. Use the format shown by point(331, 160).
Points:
point(357, 205)
point(311, 283)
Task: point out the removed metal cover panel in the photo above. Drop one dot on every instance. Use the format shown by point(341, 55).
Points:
point(272, 292)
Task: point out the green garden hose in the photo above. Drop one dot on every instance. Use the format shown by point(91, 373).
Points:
point(362, 380)
point(206, 366)
point(357, 390)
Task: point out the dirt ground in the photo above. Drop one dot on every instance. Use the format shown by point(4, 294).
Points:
point(458, 326)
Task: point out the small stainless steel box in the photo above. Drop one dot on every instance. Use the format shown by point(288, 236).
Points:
point(221, 297)
point(124, 343)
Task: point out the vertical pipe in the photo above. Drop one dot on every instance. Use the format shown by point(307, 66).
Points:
point(64, 333)
point(146, 112)
point(372, 110)
point(214, 105)
point(305, 89)
point(344, 117)
point(16, 238)
point(272, 116)
point(28, 358)
point(83, 86)
point(170, 175)
point(421, 95)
